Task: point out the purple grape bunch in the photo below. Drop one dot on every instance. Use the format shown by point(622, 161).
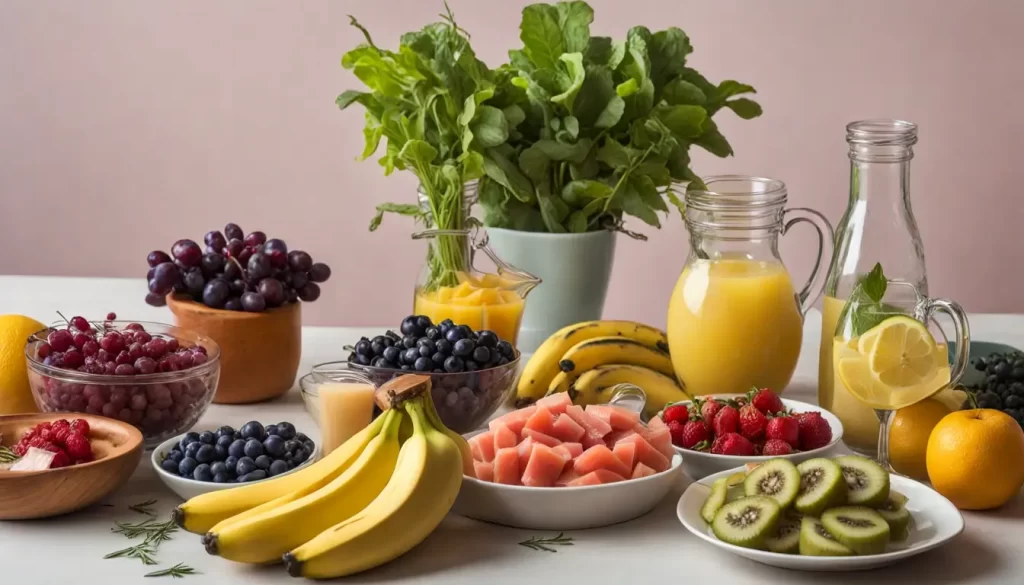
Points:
point(236, 272)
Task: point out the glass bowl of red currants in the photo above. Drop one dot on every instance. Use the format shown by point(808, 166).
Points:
point(157, 377)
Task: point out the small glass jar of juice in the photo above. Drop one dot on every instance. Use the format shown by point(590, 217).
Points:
point(735, 320)
point(451, 287)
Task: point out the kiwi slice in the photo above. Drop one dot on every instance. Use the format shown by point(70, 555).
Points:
point(775, 478)
point(822, 485)
point(734, 484)
point(861, 529)
point(716, 499)
point(867, 483)
point(747, 522)
point(786, 538)
point(896, 514)
point(815, 541)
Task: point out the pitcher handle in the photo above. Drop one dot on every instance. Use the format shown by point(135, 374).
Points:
point(809, 294)
point(961, 332)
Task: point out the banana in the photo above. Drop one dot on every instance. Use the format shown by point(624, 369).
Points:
point(600, 351)
point(543, 365)
point(264, 538)
point(206, 511)
point(460, 441)
point(594, 387)
point(421, 491)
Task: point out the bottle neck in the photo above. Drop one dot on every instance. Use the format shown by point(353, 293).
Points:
point(884, 184)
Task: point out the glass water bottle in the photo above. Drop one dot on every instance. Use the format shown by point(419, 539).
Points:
point(878, 227)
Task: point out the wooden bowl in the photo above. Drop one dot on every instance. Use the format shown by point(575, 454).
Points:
point(41, 494)
point(259, 352)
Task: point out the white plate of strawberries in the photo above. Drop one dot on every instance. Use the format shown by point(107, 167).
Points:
point(719, 432)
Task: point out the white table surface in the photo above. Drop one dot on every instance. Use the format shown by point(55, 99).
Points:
point(654, 548)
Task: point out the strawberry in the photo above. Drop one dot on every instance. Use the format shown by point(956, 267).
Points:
point(752, 422)
point(766, 401)
point(732, 444)
point(709, 409)
point(784, 428)
point(80, 426)
point(814, 431)
point(776, 447)
point(60, 459)
point(675, 430)
point(693, 432)
point(676, 412)
point(726, 421)
point(78, 446)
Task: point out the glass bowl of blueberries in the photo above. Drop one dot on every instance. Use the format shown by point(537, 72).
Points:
point(199, 462)
point(472, 372)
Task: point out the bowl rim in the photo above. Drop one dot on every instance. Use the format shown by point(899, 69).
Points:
point(213, 353)
point(136, 437)
point(168, 476)
point(358, 368)
point(675, 467)
point(837, 434)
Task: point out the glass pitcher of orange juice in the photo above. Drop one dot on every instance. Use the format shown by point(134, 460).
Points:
point(734, 319)
point(451, 287)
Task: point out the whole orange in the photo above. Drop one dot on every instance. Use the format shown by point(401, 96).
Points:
point(976, 458)
point(909, 431)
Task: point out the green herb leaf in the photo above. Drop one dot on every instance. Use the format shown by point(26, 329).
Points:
point(576, 74)
point(668, 53)
point(573, 152)
point(489, 127)
point(542, 38)
point(682, 92)
point(874, 284)
point(508, 175)
point(713, 141)
point(540, 543)
point(177, 571)
point(744, 108)
point(633, 203)
point(685, 121)
point(143, 507)
point(574, 20)
point(614, 154)
point(399, 208)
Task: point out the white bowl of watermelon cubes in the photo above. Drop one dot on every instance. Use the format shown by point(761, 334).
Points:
point(557, 466)
point(715, 433)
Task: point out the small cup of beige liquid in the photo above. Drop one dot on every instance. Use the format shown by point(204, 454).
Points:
point(346, 404)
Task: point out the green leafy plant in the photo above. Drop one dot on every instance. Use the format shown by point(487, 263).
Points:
point(597, 127)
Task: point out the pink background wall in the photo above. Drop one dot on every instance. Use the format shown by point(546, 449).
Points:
point(125, 125)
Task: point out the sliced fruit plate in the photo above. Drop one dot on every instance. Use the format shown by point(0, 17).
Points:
point(848, 515)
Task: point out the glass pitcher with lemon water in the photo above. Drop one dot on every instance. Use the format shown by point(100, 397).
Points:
point(734, 319)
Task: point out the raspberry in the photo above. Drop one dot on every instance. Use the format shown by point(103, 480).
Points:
point(732, 444)
point(20, 449)
point(766, 401)
point(693, 434)
point(776, 447)
point(78, 446)
point(60, 434)
point(80, 426)
point(46, 435)
point(675, 413)
point(814, 431)
point(726, 421)
point(60, 459)
point(752, 422)
point(784, 428)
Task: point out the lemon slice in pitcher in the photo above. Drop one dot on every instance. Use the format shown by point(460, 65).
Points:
point(900, 352)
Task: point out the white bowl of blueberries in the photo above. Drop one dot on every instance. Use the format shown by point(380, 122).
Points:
point(199, 462)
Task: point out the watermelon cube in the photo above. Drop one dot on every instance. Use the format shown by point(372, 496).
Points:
point(484, 470)
point(513, 420)
point(574, 449)
point(598, 477)
point(539, 437)
point(600, 457)
point(655, 423)
point(525, 448)
point(556, 403)
point(567, 429)
point(626, 452)
point(542, 421)
point(568, 475)
point(615, 437)
point(544, 467)
point(642, 471)
point(617, 417)
point(647, 454)
point(594, 425)
point(482, 446)
point(660, 439)
point(589, 440)
point(504, 438)
point(506, 466)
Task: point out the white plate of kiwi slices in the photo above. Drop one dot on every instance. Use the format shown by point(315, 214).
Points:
point(825, 514)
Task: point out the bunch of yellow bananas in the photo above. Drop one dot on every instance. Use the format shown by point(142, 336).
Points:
point(366, 503)
point(588, 359)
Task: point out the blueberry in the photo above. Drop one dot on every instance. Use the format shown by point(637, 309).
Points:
point(309, 446)
point(444, 346)
point(225, 431)
point(169, 465)
point(405, 367)
point(410, 356)
point(176, 456)
point(472, 366)
point(363, 348)
point(426, 350)
point(202, 473)
point(192, 449)
point(253, 430)
point(256, 475)
point(278, 467)
point(262, 462)
point(187, 466)
point(301, 437)
point(225, 440)
point(408, 326)
point(437, 359)
point(503, 361)
point(286, 430)
point(237, 448)
point(464, 347)
point(205, 454)
point(245, 465)
point(274, 446)
point(432, 333)
point(207, 437)
point(300, 455)
point(231, 463)
point(453, 365)
point(454, 335)
point(187, 439)
point(221, 478)
point(392, 354)
point(221, 452)
point(253, 448)
point(409, 342)
point(291, 465)
point(487, 338)
point(467, 331)
point(292, 445)
point(378, 345)
point(422, 322)
point(270, 430)
point(218, 467)
point(423, 364)
point(1013, 401)
point(481, 355)
point(505, 349)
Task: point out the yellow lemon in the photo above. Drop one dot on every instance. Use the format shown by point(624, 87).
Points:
point(900, 352)
point(15, 394)
point(976, 458)
point(909, 430)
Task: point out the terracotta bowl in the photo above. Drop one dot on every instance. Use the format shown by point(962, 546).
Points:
point(40, 494)
point(259, 351)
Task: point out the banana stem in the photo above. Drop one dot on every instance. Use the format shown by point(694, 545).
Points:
point(398, 390)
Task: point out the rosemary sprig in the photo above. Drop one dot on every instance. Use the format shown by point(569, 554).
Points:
point(144, 552)
point(545, 544)
point(144, 508)
point(130, 530)
point(177, 571)
point(7, 456)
